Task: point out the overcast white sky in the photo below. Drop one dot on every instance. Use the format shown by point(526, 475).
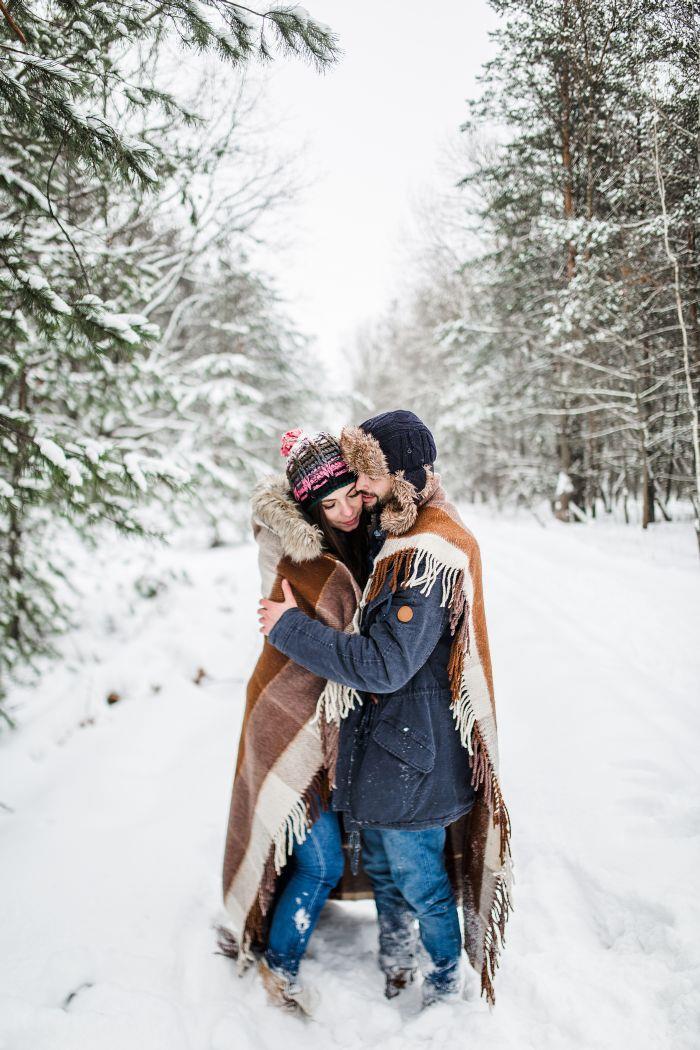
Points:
point(373, 128)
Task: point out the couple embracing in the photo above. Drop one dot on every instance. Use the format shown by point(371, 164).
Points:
point(368, 757)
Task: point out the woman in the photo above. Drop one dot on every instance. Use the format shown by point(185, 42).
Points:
point(283, 849)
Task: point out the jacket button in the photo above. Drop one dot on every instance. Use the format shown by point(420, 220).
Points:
point(405, 613)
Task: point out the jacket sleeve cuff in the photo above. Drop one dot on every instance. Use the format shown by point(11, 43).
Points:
point(285, 627)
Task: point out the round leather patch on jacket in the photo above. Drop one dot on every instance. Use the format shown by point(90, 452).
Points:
point(404, 613)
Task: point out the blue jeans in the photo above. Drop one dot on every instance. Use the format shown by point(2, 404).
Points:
point(314, 868)
point(407, 869)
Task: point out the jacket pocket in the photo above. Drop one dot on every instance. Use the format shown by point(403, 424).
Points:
point(405, 743)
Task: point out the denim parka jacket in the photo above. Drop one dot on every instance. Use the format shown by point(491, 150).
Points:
point(401, 763)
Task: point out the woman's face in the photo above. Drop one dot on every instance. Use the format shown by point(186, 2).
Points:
point(343, 508)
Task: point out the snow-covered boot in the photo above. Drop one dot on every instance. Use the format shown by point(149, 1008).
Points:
point(398, 943)
point(396, 980)
point(442, 988)
point(285, 991)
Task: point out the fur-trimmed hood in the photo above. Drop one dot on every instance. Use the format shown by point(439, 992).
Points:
point(274, 508)
point(363, 454)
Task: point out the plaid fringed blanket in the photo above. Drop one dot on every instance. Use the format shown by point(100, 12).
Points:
point(285, 754)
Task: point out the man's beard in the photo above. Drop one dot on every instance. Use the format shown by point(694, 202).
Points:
point(377, 501)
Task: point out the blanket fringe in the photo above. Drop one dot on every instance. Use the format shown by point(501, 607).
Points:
point(483, 772)
point(293, 830)
point(424, 571)
point(229, 946)
point(417, 567)
point(335, 702)
point(398, 563)
point(494, 936)
point(304, 812)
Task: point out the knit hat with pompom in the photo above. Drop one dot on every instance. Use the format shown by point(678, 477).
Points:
point(315, 466)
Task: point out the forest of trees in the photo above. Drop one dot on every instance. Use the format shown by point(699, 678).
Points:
point(553, 335)
point(146, 361)
point(144, 358)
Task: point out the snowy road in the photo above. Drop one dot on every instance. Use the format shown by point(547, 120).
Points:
point(112, 817)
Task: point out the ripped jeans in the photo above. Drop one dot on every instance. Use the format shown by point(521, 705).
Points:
point(314, 869)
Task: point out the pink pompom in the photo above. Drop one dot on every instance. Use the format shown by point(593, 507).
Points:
point(289, 440)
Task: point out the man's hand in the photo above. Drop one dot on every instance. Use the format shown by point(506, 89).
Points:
point(269, 612)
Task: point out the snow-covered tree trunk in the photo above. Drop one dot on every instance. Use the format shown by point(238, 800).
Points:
point(682, 326)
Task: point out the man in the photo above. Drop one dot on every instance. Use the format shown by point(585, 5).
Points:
point(417, 765)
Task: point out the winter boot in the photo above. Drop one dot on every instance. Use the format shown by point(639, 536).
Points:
point(443, 988)
point(398, 943)
point(283, 990)
point(396, 980)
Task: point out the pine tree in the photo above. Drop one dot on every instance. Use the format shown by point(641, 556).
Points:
point(239, 375)
point(81, 267)
point(574, 84)
point(574, 360)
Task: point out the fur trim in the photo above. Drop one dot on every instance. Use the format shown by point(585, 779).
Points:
point(274, 507)
point(363, 453)
point(401, 509)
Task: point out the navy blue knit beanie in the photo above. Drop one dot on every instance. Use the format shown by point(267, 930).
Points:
point(406, 443)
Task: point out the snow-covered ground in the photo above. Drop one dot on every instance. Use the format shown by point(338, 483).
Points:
point(112, 817)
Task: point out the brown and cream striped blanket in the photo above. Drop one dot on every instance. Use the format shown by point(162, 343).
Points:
point(284, 752)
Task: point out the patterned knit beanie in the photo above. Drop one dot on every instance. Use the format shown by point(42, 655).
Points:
point(315, 466)
point(406, 442)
